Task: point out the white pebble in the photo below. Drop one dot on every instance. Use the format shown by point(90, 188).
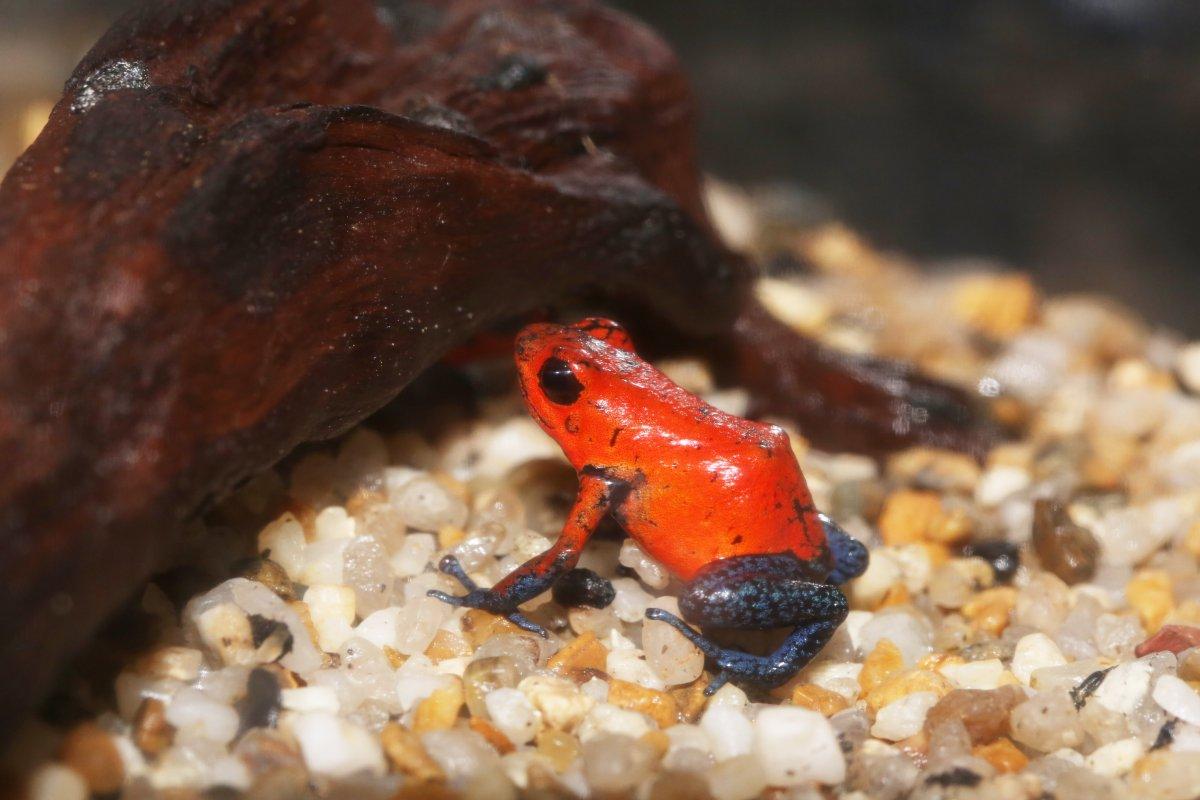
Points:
point(999, 483)
point(1177, 698)
point(427, 505)
point(911, 636)
point(795, 746)
point(1116, 758)
point(1188, 365)
point(283, 542)
point(460, 753)
point(648, 570)
point(332, 612)
point(915, 566)
point(197, 716)
point(1124, 687)
point(57, 782)
point(673, 658)
point(417, 679)
point(631, 600)
point(729, 731)
point(380, 628)
point(418, 623)
point(1033, 652)
point(1131, 534)
point(511, 712)
point(225, 630)
point(740, 778)
point(562, 705)
point(336, 747)
point(605, 718)
point(729, 695)
point(854, 623)
point(986, 674)
point(903, 718)
point(310, 698)
point(631, 665)
point(595, 688)
point(883, 572)
point(323, 562)
point(414, 554)
point(333, 523)
point(836, 676)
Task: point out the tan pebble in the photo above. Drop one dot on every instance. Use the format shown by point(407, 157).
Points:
point(1137, 373)
point(395, 658)
point(1002, 754)
point(450, 535)
point(1109, 460)
point(447, 645)
point(178, 663)
point(999, 306)
point(658, 742)
point(362, 499)
point(1012, 454)
point(559, 747)
point(821, 700)
point(984, 713)
point(930, 468)
point(906, 683)
point(990, 610)
point(1192, 540)
point(407, 755)
point(1150, 594)
point(836, 249)
point(896, 595)
point(690, 698)
point(305, 613)
point(479, 626)
point(879, 665)
point(1186, 613)
point(912, 517)
point(440, 710)
point(936, 661)
point(580, 658)
point(453, 485)
point(657, 705)
point(495, 737)
point(151, 731)
point(90, 750)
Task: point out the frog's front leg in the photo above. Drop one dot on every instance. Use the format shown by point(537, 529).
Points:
point(598, 493)
point(759, 592)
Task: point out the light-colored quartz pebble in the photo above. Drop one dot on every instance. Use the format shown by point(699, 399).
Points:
point(336, 747)
point(988, 673)
point(729, 695)
point(796, 746)
point(414, 554)
point(1043, 603)
point(911, 636)
point(671, 656)
point(797, 305)
point(427, 505)
point(1116, 758)
point(195, 715)
point(632, 666)
point(283, 542)
point(1000, 483)
point(381, 627)
point(615, 763)
point(460, 753)
point(310, 699)
point(365, 568)
point(1124, 687)
point(740, 778)
point(560, 702)
point(171, 661)
point(1177, 698)
point(649, 571)
point(605, 718)
point(333, 523)
point(1129, 535)
point(631, 600)
point(1035, 651)
point(225, 630)
point(324, 562)
point(836, 676)
point(416, 680)
point(729, 731)
point(883, 572)
point(57, 782)
point(1047, 722)
point(418, 623)
point(332, 610)
point(511, 711)
point(903, 718)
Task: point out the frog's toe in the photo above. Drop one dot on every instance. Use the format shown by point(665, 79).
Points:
point(450, 566)
point(526, 624)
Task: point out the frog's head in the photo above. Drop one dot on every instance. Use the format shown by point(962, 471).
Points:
point(562, 367)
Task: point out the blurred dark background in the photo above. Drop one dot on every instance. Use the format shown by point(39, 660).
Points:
point(1061, 136)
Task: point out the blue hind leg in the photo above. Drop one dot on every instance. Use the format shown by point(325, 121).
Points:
point(850, 556)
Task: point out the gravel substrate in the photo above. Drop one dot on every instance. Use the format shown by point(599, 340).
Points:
point(993, 649)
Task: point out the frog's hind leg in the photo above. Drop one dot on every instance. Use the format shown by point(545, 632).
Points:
point(758, 592)
point(850, 556)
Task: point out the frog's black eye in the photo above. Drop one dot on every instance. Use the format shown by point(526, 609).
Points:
point(558, 383)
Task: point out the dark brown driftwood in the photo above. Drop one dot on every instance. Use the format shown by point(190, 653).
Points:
point(249, 223)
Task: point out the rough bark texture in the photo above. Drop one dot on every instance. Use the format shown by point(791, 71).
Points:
point(250, 223)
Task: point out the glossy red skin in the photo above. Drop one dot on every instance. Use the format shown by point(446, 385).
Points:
point(703, 484)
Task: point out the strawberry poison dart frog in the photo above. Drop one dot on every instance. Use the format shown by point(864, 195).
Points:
point(718, 500)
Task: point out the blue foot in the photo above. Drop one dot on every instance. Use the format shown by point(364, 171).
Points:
point(483, 599)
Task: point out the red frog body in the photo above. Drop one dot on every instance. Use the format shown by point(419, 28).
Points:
point(718, 500)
